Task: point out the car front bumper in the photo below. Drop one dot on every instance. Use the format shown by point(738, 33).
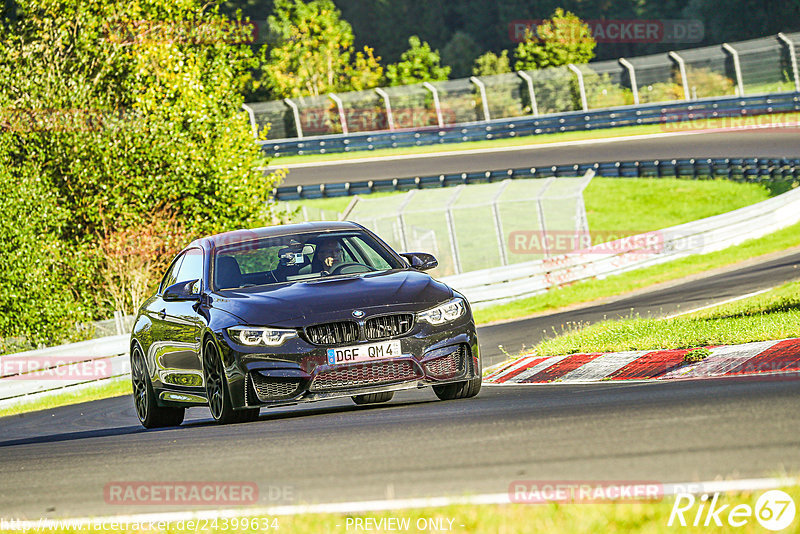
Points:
point(299, 371)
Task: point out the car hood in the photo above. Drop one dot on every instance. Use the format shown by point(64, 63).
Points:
point(300, 304)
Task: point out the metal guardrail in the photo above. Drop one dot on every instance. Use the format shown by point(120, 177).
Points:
point(501, 284)
point(659, 113)
point(30, 374)
point(748, 169)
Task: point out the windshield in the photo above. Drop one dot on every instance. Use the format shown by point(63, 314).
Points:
point(299, 257)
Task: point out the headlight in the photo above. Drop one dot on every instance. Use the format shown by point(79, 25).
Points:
point(444, 313)
point(257, 335)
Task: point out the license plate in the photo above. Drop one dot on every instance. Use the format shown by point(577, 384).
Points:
point(364, 353)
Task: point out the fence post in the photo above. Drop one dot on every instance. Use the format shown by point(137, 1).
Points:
point(793, 56)
point(632, 74)
point(581, 224)
point(252, 115)
point(389, 117)
point(682, 67)
point(529, 81)
point(350, 207)
point(296, 113)
point(118, 321)
point(736, 67)
point(581, 87)
point(403, 235)
point(342, 116)
point(498, 222)
point(437, 106)
point(542, 222)
point(451, 227)
point(482, 88)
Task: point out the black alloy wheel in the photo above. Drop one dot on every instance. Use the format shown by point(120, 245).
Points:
point(219, 401)
point(150, 414)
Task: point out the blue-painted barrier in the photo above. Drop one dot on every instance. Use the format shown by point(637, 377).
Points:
point(740, 169)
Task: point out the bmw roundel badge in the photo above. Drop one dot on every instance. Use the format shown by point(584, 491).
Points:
point(358, 314)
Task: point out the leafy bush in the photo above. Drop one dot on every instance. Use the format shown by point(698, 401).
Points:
point(660, 92)
point(417, 64)
point(490, 63)
point(112, 112)
point(459, 54)
point(601, 92)
point(705, 82)
point(134, 259)
point(560, 40)
point(553, 90)
point(314, 54)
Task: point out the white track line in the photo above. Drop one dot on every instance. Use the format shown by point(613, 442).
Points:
point(714, 305)
point(713, 486)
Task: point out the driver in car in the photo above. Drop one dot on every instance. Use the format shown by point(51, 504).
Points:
point(328, 254)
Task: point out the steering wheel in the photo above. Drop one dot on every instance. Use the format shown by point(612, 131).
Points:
point(350, 267)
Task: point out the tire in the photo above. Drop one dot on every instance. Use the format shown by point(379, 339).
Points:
point(150, 414)
point(373, 398)
point(459, 390)
point(219, 398)
point(248, 415)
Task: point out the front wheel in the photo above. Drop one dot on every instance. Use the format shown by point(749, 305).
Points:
point(219, 398)
point(459, 390)
point(150, 414)
point(373, 398)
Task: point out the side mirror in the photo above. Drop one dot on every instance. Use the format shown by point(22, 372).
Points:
point(189, 290)
point(421, 261)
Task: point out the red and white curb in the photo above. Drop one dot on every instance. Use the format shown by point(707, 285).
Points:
point(781, 356)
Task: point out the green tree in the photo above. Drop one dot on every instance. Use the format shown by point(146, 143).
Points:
point(560, 40)
point(490, 63)
point(459, 53)
point(111, 112)
point(417, 64)
point(315, 54)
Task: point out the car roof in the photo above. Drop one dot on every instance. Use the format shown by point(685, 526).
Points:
point(244, 235)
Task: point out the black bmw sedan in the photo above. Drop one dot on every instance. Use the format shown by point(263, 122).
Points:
point(297, 313)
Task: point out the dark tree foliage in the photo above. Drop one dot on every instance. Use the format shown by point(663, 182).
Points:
point(386, 25)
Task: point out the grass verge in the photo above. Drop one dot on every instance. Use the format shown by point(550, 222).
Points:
point(543, 139)
point(116, 388)
point(592, 290)
point(639, 516)
point(771, 315)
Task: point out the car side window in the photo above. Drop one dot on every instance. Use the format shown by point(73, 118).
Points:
point(192, 267)
point(172, 274)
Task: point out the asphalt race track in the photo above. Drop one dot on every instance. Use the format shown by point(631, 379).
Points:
point(59, 462)
point(774, 142)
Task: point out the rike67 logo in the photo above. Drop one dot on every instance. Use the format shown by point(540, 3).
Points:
point(774, 510)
